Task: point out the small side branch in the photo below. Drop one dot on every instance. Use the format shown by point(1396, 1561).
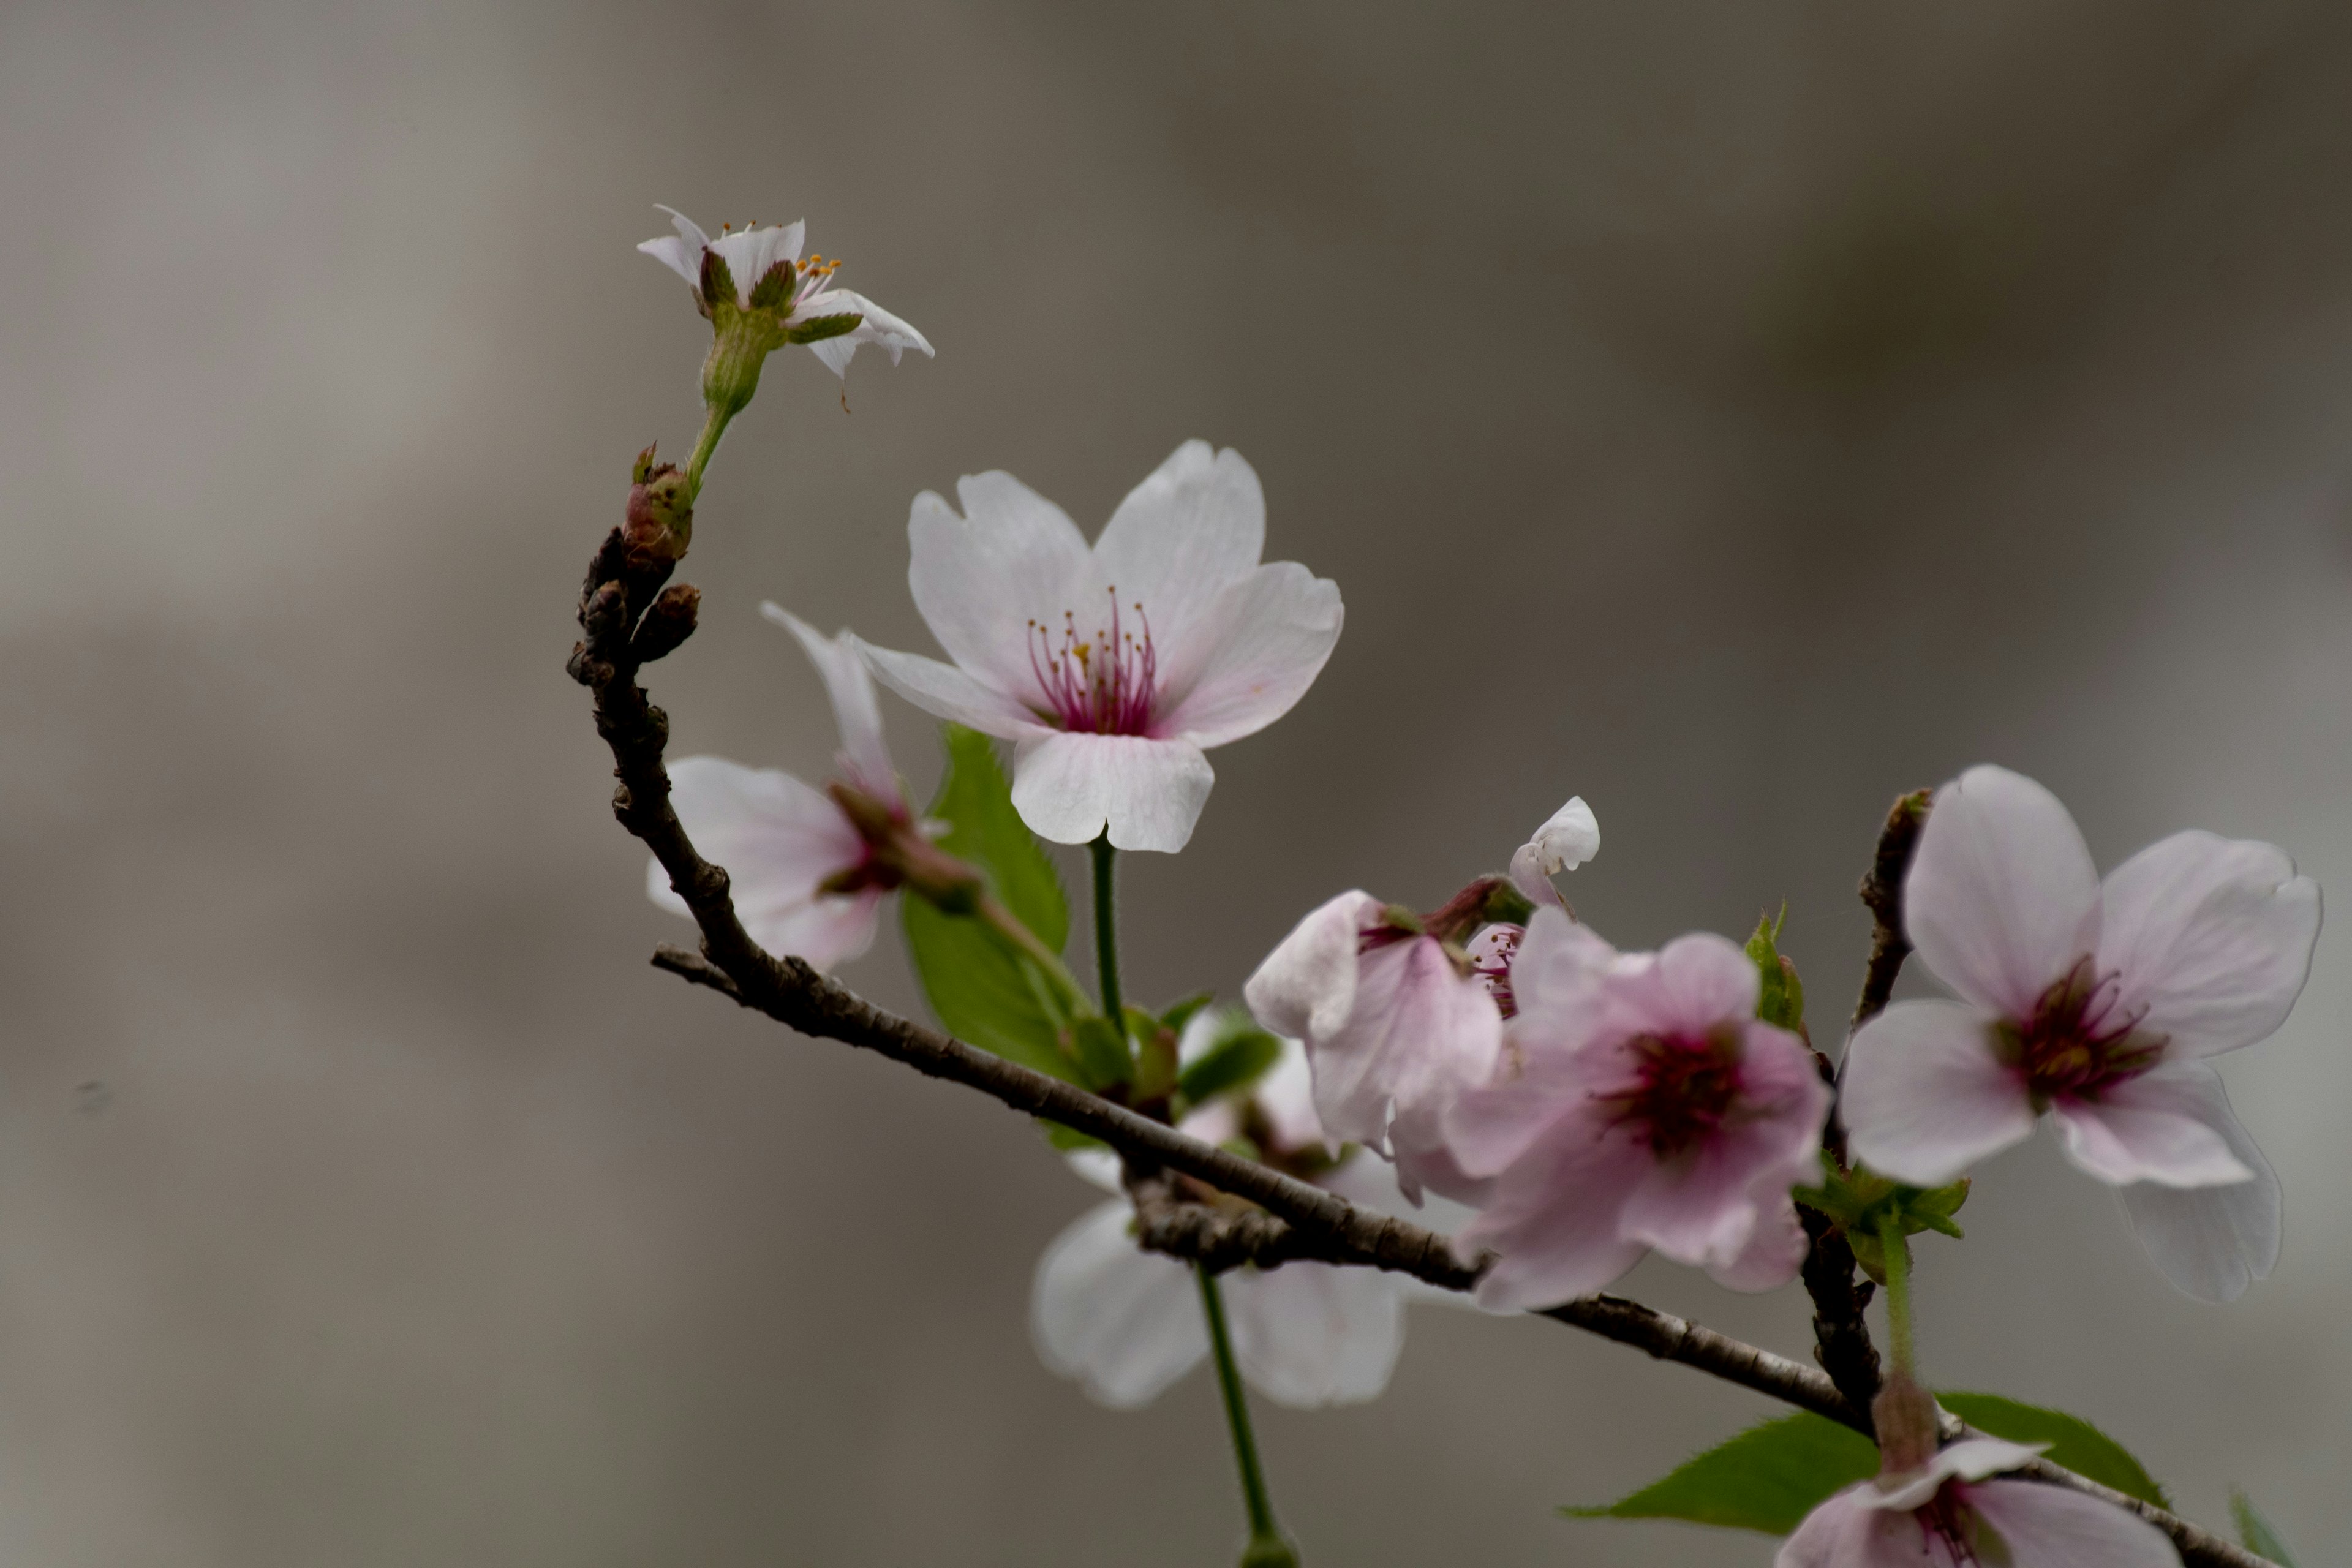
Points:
point(1882, 889)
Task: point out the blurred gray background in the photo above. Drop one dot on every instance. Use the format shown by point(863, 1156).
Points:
point(1733, 413)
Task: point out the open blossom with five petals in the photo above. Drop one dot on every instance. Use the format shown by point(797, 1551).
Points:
point(1127, 1323)
point(1395, 1027)
point(1114, 667)
point(1640, 1105)
point(803, 872)
point(1947, 1513)
point(794, 301)
point(2096, 1003)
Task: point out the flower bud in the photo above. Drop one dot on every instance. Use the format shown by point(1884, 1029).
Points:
point(669, 624)
point(658, 523)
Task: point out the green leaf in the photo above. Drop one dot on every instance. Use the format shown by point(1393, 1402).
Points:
point(1768, 1478)
point(2074, 1442)
point(1239, 1054)
point(1181, 1013)
point(1783, 998)
point(2256, 1533)
point(981, 993)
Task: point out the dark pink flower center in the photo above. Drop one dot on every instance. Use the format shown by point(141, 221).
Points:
point(1952, 1528)
point(1102, 685)
point(2079, 1042)
point(1683, 1090)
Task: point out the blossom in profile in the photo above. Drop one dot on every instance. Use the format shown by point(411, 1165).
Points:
point(2098, 1004)
point(1395, 1027)
point(1640, 1105)
point(756, 272)
point(1569, 838)
point(1113, 666)
point(803, 876)
point(1126, 1323)
point(1947, 1513)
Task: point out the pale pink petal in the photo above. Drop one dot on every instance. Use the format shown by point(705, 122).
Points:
point(1307, 986)
point(1068, 787)
point(1286, 1098)
point(1558, 962)
point(1176, 542)
point(1844, 1532)
point(1125, 1322)
point(948, 692)
point(777, 838)
point(1697, 983)
point(1553, 1219)
point(1310, 1334)
point(2149, 1128)
point(1774, 1254)
point(2053, 1527)
point(1418, 1033)
point(1013, 560)
point(1528, 876)
point(1425, 1161)
point(2210, 938)
point(2002, 898)
point(1264, 639)
point(1969, 1459)
point(2212, 1242)
point(865, 757)
point(1923, 1097)
point(1487, 1128)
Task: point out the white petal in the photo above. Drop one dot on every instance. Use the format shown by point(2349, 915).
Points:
point(2212, 1242)
point(849, 686)
point(1569, 839)
point(1560, 960)
point(1923, 1096)
point(682, 254)
point(1970, 1460)
point(2149, 1128)
point(1267, 637)
point(947, 691)
point(1125, 1322)
point(1846, 1531)
point(2002, 898)
point(982, 581)
point(1068, 787)
point(1196, 526)
point(879, 327)
point(1286, 1098)
point(1308, 1334)
point(751, 252)
point(1098, 1168)
point(1307, 986)
point(2051, 1527)
point(2212, 937)
point(1418, 1034)
point(1553, 1219)
point(777, 840)
point(1773, 1255)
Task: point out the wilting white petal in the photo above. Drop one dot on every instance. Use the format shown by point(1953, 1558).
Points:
point(2001, 899)
point(1310, 1334)
point(2210, 939)
point(1149, 793)
point(851, 689)
point(1923, 1096)
point(2212, 1242)
point(1125, 1322)
point(1569, 839)
point(1307, 986)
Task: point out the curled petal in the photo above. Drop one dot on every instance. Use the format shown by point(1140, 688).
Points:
point(1923, 1096)
point(1126, 1323)
point(1970, 1460)
point(1310, 1334)
point(851, 689)
point(2002, 899)
point(1569, 839)
point(2151, 1128)
point(887, 332)
point(2053, 1526)
point(778, 840)
point(2210, 939)
point(1416, 1034)
point(2212, 1242)
point(1069, 787)
point(681, 253)
point(1307, 986)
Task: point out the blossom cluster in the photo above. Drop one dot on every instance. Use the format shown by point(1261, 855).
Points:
point(1564, 1105)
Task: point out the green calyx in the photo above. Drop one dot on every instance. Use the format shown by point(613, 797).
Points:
point(1782, 1000)
point(1868, 1207)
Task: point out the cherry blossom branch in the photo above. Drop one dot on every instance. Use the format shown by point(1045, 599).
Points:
point(1882, 890)
point(628, 618)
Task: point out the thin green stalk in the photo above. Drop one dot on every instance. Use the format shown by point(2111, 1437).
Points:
point(1030, 945)
point(1107, 929)
point(714, 425)
point(1267, 1547)
point(1897, 1253)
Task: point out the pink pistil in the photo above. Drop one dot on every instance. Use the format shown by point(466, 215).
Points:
point(1102, 687)
point(1683, 1091)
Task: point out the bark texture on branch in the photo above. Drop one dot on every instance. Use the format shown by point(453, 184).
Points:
point(628, 618)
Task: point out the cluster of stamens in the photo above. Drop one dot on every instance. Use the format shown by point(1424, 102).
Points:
point(1101, 686)
point(2079, 1042)
point(1682, 1092)
point(1493, 969)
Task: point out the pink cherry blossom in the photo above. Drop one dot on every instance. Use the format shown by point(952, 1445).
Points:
point(1640, 1105)
point(1113, 666)
point(780, 841)
point(2096, 1004)
point(752, 253)
point(1127, 1323)
point(1947, 1514)
point(1393, 1029)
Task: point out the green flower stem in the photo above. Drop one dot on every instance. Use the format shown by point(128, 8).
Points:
point(714, 425)
point(1897, 1253)
point(1266, 1548)
point(1107, 929)
point(1009, 928)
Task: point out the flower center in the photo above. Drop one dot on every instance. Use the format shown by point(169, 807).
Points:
point(1952, 1528)
point(1491, 955)
point(1102, 685)
point(2078, 1042)
point(1683, 1090)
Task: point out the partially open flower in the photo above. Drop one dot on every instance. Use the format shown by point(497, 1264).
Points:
point(805, 873)
point(1568, 839)
point(1113, 666)
point(2096, 1004)
point(1640, 1105)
